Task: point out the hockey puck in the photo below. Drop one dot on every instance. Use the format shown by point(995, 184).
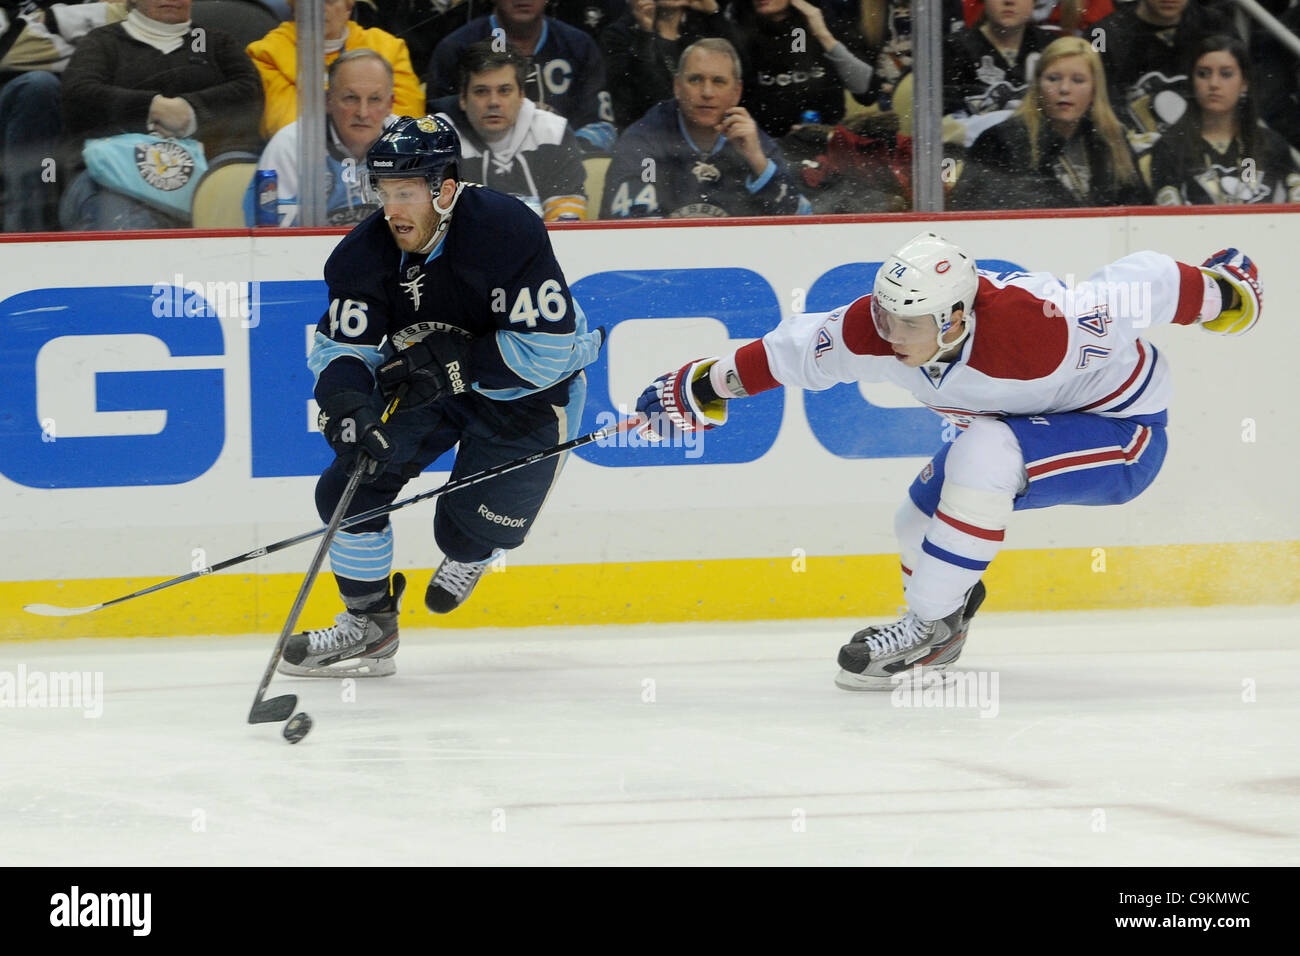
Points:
point(298, 727)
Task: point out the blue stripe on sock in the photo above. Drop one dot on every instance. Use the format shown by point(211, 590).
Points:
point(363, 557)
point(950, 558)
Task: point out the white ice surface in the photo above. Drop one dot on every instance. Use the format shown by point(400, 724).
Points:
point(1119, 738)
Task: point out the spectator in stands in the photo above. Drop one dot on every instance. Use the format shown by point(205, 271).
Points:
point(358, 107)
point(986, 67)
point(421, 24)
point(642, 48)
point(886, 25)
point(568, 75)
point(593, 17)
point(1145, 47)
point(1062, 147)
point(1063, 18)
point(797, 62)
point(36, 44)
point(276, 57)
point(151, 74)
point(507, 143)
point(700, 154)
point(1219, 152)
point(1276, 90)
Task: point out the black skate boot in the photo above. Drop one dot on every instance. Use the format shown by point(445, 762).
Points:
point(359, 644)
point(452, 584)
point(875, 656)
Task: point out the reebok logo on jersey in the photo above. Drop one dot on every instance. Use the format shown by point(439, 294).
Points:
point(454, 378)
point(503, 520)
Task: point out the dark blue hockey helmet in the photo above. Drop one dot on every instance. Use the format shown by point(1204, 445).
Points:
point(423, 147)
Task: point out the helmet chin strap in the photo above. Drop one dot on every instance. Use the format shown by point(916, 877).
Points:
point(968, 323)
point(444, 214)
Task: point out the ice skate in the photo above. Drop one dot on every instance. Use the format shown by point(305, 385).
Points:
point(876, 656)
point(358, 644)
point(452, 584)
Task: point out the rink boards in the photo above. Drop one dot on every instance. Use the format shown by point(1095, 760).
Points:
point(156, 417)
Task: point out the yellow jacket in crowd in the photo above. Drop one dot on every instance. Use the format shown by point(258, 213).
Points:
point(276, 59)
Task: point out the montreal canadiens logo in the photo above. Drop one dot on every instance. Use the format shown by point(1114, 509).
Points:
point(164, 165)
point(943, 266)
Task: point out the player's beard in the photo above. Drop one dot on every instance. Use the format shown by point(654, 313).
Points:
point(422, 231)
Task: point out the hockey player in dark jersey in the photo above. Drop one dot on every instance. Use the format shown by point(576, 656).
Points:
point(701, 154)
point(450, 298)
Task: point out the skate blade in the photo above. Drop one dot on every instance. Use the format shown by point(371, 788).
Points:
point(357, 667)
point(847, 680)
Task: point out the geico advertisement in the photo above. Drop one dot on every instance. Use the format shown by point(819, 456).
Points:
point(105, 386)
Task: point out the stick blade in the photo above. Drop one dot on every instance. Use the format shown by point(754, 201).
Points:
point(273, 711)
point(53, 610)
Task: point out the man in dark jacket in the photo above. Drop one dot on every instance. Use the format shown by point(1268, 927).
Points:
point(568, 76)
point(701, 154)
point(642, 49)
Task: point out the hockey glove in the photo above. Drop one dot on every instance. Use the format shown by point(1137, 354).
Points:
point(681, 401)
point(1242, 293)
point(435, 366)
point(349, 422)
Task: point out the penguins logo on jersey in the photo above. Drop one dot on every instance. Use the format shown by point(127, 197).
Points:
point(706, 172)
point(1156, 102)
point(408, 336)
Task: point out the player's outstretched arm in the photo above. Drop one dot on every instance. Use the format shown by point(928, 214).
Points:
point(1242, 293)
point(682, 401)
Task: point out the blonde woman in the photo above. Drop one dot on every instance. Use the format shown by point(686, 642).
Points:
point(1062, 147)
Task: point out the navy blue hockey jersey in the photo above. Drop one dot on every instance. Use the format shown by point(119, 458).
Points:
point(492, 276)
point(568, 76)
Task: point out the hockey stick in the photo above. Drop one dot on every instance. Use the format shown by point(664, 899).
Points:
point(54, 610)
point(280, 708)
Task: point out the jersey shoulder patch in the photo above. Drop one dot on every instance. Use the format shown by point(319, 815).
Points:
point(859, 334)
point(1017, 336)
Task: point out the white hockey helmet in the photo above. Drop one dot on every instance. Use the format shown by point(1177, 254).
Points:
point(929, 276)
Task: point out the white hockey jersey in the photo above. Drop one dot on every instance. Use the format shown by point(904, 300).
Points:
point(1038, 346)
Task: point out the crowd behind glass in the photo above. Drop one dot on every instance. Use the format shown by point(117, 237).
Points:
point(113, 113)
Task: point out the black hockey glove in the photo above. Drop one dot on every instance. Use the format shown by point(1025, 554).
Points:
point(349, 422)
point(433, 367)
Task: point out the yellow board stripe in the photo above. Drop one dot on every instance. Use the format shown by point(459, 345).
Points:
point(862, 586)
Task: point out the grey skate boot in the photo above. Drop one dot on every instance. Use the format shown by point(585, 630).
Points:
point(359, 644)
point(876, 655)
point(452, 583)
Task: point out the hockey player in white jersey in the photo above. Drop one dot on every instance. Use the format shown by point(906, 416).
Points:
point(1059, 399)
